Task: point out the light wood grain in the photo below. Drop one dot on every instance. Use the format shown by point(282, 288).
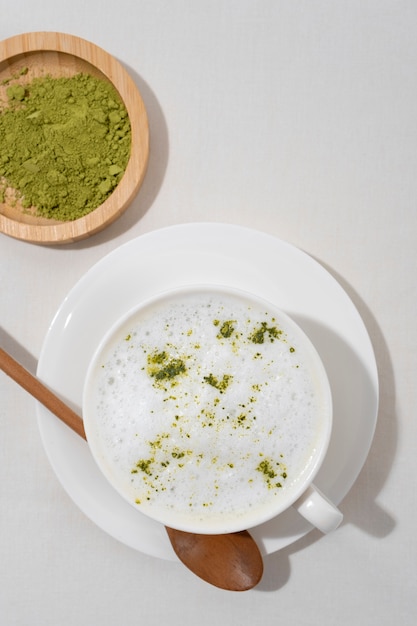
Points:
point(60, 54)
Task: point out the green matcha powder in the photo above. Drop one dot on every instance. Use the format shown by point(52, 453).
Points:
point(64, 144)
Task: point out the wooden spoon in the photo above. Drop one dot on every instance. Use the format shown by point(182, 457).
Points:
point(231, 561)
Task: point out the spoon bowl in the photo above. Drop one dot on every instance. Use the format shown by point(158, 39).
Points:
point(231, 561)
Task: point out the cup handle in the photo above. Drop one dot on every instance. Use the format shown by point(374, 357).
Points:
point(318, 510)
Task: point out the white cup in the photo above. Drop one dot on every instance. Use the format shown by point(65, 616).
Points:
point(210, 411)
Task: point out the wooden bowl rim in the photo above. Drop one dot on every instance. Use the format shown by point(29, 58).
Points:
point(118, 201)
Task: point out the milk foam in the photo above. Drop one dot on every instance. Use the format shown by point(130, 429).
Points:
point(204, 407)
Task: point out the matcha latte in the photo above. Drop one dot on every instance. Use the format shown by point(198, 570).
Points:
point(207, 409)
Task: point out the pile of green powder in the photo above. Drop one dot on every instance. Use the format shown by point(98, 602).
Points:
point(64, 144)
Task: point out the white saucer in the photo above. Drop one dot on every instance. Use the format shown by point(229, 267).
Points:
point(215, 254)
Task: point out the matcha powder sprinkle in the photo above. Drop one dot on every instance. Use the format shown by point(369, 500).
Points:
point(64, 144)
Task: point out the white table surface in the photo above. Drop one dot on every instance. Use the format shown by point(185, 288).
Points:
point(297, 118)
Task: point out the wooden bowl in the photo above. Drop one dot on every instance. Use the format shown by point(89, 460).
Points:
point(59, 54)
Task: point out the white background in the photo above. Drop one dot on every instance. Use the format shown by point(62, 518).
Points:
point(297, 118)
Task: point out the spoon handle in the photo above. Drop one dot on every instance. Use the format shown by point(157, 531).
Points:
point(38, 390)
